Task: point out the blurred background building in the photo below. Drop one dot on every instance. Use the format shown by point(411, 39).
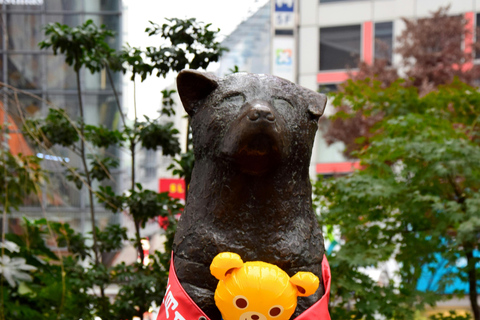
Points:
point(45, 80)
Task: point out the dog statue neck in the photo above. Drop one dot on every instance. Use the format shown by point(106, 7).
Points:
point(227, 192)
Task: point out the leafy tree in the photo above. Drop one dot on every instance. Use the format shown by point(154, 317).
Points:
point(83, 46)
point(417, 196)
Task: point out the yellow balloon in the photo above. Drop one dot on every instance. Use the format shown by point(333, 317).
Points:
point(257, 290)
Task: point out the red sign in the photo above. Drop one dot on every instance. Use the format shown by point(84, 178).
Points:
point(174, 187)
point(337, 167)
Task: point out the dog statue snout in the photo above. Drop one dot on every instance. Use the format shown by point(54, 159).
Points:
point(261, 112)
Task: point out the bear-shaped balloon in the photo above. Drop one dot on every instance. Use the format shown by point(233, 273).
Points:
point(257, 290)
point(250, 191)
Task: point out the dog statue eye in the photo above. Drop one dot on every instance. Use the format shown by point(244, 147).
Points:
point(235, 99)
point(275, 311)
point(240, 302)
point(282, 105)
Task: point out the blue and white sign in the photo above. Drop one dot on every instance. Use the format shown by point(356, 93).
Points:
point(284, 5)
point(284, 14)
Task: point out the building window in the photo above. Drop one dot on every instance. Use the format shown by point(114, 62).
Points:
point(327, 88)
point(339, 47)
point(327, 1)
point(383, 40)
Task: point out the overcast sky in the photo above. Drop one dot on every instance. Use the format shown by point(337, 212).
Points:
point(223, 14)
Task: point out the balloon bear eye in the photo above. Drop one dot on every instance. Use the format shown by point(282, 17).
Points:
point(240, 302)
point(275, 311)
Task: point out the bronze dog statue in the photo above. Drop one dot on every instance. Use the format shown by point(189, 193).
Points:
point(250, 191)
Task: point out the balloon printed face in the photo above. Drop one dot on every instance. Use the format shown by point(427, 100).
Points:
point(257, 290)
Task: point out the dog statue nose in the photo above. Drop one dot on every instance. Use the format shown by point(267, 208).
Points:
point(261, 112)
point(255, 317)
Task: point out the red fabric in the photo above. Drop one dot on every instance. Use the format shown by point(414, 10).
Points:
point(177, 304)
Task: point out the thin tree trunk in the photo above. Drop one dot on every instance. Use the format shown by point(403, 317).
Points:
point(472, 282)
point(115, 94)
point(89, 186)
point(85, 168)
point(135, 221)
point(132, 150)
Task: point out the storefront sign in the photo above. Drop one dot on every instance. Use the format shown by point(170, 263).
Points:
point(174, 187)
point(284, 57)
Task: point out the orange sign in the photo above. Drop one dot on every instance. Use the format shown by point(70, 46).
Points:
point(174, 187)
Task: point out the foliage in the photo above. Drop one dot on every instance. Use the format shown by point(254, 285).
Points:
point(83, 46)
point(416, 197)
point(65, 276)
point(20, 175)
point(452, 315)
point(189, 44)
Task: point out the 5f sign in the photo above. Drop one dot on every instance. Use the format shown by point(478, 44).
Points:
point(284, 14)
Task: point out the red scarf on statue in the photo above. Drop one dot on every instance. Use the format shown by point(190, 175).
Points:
point(177, 305)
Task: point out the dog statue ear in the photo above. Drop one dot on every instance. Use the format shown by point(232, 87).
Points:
point(317, 102)
point(194, 86)
point(224, 263)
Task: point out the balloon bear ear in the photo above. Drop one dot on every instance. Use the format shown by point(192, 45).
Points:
point(224, 263)
point(305, 282)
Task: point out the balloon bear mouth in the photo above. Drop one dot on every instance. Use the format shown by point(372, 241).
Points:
point(252, 315)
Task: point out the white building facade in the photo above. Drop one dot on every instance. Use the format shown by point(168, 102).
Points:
point(334, 34)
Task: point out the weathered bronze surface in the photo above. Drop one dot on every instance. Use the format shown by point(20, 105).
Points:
point(250, 191)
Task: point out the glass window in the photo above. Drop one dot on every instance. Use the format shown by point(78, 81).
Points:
point(67, 102)
point(1, 67)
point(63, 5)
point(327, 1)
point(23, 106)
point(102, 5)
point(339, 47)
point(24, 71)
point(102, 109)
point(24, 5)
point(95, 81)
point(383, 40)
point(71, 20)
point(24, 31)
point(60, 192)
point(327, 88)
point(59, 74)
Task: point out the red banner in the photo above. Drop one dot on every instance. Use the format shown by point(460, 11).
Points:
point(177, 304)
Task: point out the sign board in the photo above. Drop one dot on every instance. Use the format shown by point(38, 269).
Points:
point(284, 57)
point(174, 187)
point(283, 54)
point(284, 17)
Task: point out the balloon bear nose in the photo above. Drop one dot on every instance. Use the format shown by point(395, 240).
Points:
point(255, 317)
point(261, 112)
